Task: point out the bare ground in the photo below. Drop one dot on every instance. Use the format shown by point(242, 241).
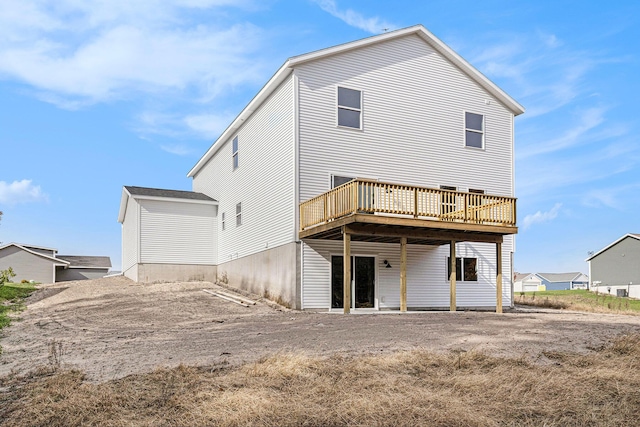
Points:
point(110, 328)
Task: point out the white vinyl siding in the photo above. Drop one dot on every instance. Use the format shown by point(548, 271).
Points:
point(130, 235)
point(264, 183)
point(415, 99)
point(427, 282)
point(177, 233)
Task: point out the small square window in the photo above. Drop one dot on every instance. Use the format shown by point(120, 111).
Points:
point(235, 153)
point(349, 108)
point(238, 214)
point(474, 130)
point(466, 269)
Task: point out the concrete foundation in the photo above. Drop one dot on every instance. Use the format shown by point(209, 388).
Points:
point(274, 273)
point(150, 273)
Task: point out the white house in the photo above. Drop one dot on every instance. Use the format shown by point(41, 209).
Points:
point(392, 152)
point(527, 282)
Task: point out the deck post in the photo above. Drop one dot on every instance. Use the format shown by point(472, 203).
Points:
point(498, 277)
point(403, 274)
point(346, 261)
point(452, 275)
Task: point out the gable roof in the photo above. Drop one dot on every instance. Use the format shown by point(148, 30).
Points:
point(57, 261)
point(79, 261)
point(632, 235)
point(521, 276)
point(559, 277)
point(286, 69)
point(160, 194)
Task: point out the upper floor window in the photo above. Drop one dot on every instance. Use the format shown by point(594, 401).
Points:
point(473, 130)
point(223, 221)
point(235, 153)
point(239, 214)
point(349, 108)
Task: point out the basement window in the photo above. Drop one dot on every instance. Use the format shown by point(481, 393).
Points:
point(466, 269)
point(473, 130)
point(239, 214)
point(349, 108)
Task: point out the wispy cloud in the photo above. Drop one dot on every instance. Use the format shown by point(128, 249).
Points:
point(177, 149)
point(73, 54)
point(540, 217)
point(355, 19)
point(614, 197)
point(20, 192)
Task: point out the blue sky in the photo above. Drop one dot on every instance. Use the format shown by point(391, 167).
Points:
point(99, 94)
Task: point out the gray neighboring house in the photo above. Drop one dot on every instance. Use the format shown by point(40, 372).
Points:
point(83, 267)
point(563, 281)
point(44, 265)
point(615, 269)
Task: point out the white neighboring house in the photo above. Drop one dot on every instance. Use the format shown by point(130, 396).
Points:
point(527, 282)
point(392, 152)
point(44, 265)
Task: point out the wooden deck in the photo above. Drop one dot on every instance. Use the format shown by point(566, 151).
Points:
point(384, 212)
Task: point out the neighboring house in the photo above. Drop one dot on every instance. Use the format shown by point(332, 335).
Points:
point(527, 282)
point(44, 265)
point(563, 281)
point(616, 268)
point(391, 152)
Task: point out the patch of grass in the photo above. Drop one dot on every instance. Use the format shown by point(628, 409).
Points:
point(581, 300)
point(11, 296)
point(401, 389)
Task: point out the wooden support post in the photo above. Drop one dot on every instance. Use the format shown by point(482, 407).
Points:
point(346, 261)
point(499, 278)
point(452, 275)
point(403, 274)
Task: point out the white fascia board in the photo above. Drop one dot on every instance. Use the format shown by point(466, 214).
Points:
point(174, 199)
point(23, 245)
point(280, 76)
point(612, 244)
point(57, 261)
point(124, 199)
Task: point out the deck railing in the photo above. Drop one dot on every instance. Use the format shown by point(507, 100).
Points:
point(374, 197)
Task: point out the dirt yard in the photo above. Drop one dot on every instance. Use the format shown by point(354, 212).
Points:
point(110, 328)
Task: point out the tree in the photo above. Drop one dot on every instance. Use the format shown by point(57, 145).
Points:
point(6, 276)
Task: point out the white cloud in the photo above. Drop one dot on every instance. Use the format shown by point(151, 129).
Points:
point(540, 217)
point(20, 192)
point(208, 125)
point(177, 149)
point(355, 19)
point(76, 53)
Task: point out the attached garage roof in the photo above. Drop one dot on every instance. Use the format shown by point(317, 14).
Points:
point(170, 194)
point(79, 261)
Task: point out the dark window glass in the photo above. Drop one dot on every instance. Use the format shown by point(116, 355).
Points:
point(349, 118)
point(349, 98)
point(473, 139)
point(473, 121)
point(339, 180)
point(470, 271)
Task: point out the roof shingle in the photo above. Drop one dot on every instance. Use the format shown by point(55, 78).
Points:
point(171, 194)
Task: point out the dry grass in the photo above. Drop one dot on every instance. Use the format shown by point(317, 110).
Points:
point(580, 300)
point(402, 389)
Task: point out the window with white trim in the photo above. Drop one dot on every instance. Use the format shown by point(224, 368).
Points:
point(234, 150)
point(473, 130)
point(466, 269)
point(239, 214)
point(349, 108)
point(223, 221)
